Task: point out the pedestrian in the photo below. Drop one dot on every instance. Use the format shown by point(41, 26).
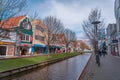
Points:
point(104, 48)
point(103, 52)
point(97, 59)
point(100, 53)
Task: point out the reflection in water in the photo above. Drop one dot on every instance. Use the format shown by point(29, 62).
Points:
point(68, 69)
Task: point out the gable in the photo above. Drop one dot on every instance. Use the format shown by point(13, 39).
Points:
point(25, 26)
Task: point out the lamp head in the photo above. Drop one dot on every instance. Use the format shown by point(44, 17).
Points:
point(95, 22)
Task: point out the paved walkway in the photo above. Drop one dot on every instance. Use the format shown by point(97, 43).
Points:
point(108, 70)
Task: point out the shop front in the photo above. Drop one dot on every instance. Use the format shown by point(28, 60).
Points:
point(24, 49)
point(55, 49)
point(7, 48)
point(114, 48)
point(39, 49)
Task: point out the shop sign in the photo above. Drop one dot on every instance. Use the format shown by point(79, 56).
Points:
point(25, 45)
point(115, 41)
point(4, 43)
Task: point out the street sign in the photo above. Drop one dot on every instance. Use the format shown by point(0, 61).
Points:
point(115, 41)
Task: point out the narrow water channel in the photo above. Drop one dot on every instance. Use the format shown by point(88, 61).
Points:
point(69, 69)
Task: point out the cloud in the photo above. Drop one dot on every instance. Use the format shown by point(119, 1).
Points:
point(73, 12)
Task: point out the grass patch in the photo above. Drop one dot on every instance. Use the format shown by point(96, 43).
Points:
point(20, 62)
point(87, 52)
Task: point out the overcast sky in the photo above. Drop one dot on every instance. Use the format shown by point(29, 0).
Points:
point(72, 12)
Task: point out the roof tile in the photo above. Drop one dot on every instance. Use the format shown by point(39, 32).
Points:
point(11, 22)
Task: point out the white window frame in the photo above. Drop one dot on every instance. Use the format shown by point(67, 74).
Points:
point(26, 38)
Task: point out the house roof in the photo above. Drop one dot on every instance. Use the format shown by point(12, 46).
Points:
point(81, 43)
point(11, 22)
point(61, 38)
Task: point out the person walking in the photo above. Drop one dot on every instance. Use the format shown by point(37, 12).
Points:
point(104, 48)
point(97, 58)
point(100, 52)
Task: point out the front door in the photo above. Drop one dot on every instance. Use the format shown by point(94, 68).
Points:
point(3, 50)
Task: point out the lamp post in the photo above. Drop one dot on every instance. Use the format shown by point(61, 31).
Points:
point(95, 23)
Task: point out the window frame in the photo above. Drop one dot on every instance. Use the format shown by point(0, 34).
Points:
point(26, 38)
point(38, 37)
point(38, 27)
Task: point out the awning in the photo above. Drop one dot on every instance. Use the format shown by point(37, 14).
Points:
point(39, 45)
point(25, 44)
point(53, 46)
point(59, 46)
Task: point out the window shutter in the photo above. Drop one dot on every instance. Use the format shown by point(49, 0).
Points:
point(31, 39)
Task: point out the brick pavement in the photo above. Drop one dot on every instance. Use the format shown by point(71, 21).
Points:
point(108, 70)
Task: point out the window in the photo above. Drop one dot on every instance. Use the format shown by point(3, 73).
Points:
point(42, 38)
point(39, 28)
point(26, 25)
point(25, 37)
point(38, 37)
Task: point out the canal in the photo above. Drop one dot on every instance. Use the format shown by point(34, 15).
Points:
point(69, 69)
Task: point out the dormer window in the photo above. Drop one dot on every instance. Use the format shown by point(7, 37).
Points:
point(26, 25)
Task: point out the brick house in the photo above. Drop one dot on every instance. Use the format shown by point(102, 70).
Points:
point(39, 44)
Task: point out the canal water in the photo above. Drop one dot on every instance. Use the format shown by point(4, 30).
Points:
point(69, 69)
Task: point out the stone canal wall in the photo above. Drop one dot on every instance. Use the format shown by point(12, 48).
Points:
point(84, 69)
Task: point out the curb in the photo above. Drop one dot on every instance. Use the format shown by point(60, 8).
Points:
point(24, 68)
point(84, 70)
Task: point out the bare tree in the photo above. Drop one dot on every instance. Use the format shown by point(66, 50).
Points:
point(35, 15)
point(83, 45)
point(70, 37)
point(54, 27)
point(8, 9)
point(88, 27)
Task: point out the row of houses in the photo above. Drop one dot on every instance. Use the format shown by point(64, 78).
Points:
point(113, 32)
point(29, 37)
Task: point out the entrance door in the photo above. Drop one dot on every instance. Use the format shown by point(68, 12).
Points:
point(2, 50)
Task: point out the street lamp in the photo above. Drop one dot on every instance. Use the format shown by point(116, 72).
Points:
point(95, 23)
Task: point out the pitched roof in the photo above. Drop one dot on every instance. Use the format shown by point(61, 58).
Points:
point(11, 22)
point(81, 43)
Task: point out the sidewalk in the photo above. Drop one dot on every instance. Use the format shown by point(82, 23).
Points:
point(108, 70)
